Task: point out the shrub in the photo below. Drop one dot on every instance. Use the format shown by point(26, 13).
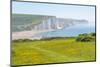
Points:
point(22, 40)
point(86, 37)
point(93, 34)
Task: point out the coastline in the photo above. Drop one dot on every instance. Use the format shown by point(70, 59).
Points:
point(32, 34)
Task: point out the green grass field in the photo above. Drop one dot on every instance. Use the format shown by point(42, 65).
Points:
point(52, 51)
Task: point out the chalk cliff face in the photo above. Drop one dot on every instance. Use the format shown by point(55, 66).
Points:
point(30, 26)
point(33, 22)
point(53, 23)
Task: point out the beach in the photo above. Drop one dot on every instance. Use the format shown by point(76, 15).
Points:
point(32, 34)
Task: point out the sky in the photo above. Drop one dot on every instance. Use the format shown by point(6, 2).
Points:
point(58, 10)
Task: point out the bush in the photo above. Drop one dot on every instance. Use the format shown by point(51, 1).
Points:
point(93, 34)
point(86, 37)
point(22, 40)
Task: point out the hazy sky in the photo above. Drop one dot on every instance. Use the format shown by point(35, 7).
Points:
point(64, 11)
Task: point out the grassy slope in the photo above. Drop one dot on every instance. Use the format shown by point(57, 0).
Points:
point(53, 51)
point(24, 19)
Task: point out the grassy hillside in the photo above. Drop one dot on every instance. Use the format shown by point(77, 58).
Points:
point(24, 19)
point(52, 51)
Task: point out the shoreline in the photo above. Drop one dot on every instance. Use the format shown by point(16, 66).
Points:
point(27, 34)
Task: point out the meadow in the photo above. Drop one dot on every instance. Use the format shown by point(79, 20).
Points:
point(52, 51)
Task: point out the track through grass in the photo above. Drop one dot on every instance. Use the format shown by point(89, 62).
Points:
point(52, 51)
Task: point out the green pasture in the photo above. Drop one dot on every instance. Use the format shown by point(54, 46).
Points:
point(52, 51)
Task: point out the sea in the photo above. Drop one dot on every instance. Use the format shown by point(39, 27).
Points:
point(71, 31)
